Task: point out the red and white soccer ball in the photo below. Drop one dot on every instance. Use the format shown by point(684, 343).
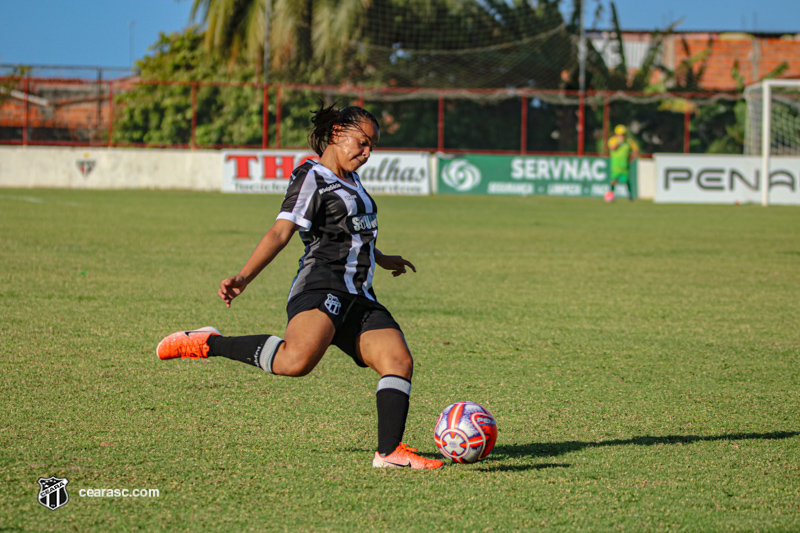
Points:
point(609, 196)
point(465, 432)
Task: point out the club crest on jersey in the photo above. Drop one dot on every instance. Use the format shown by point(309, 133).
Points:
point(53, 492)
point(363, 223)
point(333, 305)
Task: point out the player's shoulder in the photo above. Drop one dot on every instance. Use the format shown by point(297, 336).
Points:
point(303, 177)
point(302, 171)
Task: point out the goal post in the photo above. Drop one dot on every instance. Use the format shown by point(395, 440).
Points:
point(773, 124)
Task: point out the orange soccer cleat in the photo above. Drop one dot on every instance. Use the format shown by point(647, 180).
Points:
point(404, 457)
point(186, 344)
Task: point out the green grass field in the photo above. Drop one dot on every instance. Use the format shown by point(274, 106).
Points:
point(642, 362)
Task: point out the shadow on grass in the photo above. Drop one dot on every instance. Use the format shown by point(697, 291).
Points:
point(552, 449)
point(491, 464)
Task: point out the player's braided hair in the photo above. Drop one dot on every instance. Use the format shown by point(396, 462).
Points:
point(326, 118)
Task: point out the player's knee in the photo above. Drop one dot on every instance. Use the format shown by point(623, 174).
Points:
point(294, 364)
point(294, 369)
point(409, 370)
point(402, 364)
point(409, 361)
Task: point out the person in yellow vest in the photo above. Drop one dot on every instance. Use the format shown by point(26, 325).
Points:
point(623, 151)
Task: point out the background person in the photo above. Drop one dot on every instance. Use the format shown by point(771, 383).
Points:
point(623, 152)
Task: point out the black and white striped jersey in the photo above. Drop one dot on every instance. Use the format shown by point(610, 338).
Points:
point(339, 226)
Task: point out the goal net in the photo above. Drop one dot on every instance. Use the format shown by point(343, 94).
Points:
point(773, 123)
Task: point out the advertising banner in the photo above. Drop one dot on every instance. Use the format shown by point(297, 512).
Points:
point(721, 179)
point(268, 171)
point(527, 175)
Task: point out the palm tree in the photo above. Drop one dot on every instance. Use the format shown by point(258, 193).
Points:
point(301, 32)
point(233, 27)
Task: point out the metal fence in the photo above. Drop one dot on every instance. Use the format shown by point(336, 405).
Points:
point(127, 111)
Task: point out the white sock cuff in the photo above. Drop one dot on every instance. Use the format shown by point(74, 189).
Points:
point(396, 383)
point(268, 353)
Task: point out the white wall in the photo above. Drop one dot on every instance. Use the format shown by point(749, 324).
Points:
point(646, 176)
point(141, 168)
point(111, 168)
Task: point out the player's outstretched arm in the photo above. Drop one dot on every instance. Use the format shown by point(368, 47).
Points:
point(395, 263)
point(270, 246)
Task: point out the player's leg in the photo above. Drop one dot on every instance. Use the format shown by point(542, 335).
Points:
point(630, 189)
point(622, 179)
point(386, 352)
point(307, 337)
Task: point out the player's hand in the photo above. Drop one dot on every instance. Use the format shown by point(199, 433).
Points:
point(395, 263)
point(230, 288)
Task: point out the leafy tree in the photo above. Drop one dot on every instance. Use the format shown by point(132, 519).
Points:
point(158, 111)
point(399, 42)
point(306, 37)
point(720, 126)
point(154, 113)
point(472, 43)
point(379, 43)
point(233, 27)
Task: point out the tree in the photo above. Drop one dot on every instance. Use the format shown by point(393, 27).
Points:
point(466, 43)
point(162, 113)
point(306, 37)
point(233, 27)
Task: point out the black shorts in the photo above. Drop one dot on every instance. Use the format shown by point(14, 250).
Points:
point(351, 316)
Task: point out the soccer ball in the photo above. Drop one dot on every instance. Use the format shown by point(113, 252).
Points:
point(465, 432)
point(609, 196)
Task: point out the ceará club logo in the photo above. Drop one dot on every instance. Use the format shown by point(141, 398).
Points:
point(461, 175)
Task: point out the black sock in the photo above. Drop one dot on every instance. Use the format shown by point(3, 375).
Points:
point(393, 399)
point(256, 350)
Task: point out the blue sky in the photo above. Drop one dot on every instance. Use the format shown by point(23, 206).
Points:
point(100, 32)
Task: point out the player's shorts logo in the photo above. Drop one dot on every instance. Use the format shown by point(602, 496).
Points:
point(333, 305)
point(461, 175)
point(53, 492)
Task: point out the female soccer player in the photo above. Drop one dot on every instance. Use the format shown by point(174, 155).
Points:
point(331, 300)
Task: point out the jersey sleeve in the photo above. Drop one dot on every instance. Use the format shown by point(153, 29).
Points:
point(301, 203)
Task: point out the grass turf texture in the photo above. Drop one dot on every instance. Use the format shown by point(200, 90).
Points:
point(641, 361)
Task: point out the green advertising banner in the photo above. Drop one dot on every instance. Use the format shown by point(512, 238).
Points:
point(528, 175)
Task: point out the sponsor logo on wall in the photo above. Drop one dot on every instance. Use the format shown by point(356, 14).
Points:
point(461, 175)
point(725, 179)
point(270, 171)
point(525, 175)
